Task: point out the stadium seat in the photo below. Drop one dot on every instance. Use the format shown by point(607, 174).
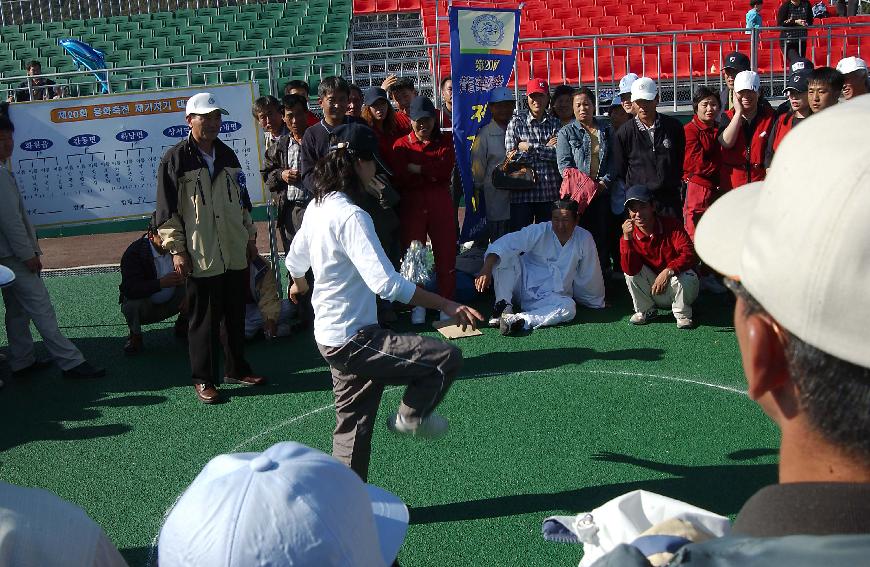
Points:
point(251, 45)
point(257, 34)
point(126, 44)
point(179, 40)
point(246, 17)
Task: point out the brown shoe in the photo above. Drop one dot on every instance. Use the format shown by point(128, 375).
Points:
point(207, 393)
point(246, 380)
point(133, 345)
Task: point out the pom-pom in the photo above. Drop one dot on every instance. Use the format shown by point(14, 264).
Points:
point(417, 264)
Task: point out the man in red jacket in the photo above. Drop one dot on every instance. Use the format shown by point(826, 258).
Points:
point(744, 139)
point(657, 258)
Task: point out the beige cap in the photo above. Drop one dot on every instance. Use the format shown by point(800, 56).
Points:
point(203, 103)
point(799, 241)
point(851, 64)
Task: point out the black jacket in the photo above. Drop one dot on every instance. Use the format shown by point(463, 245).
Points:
point(138, 274)
point(636, 161)
point(315, 145)
point(782, 20)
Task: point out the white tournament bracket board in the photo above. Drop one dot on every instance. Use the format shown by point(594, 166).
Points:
point(95, 159)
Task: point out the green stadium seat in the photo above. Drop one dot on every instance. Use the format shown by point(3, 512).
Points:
point(335, 28)
point(102, 45)
point(118, 82)
point(268, 24)
point(27, 54)
point(83, 89)
point(257, 34)
point(105, 28)
point(246, 17)
point(117, 56)
point(213, 28)
point(185, 59)
point(179, 40)
point(19, 44)
point(199, 49)
point(284, 42)
point(192, 31)
point(199, 21)
point(184, 14)
point(152, 25)
point(264, 87)
point(333, 41)
point(231, 35)
point(144, 17)
point(255, 8)
point(235, 73)
point(127, 27)
point(143, 54)
point(167, 32)
point(154, 42)
point(231, 9)
point(271, 52)
point(252, 45)
point(31, 28)
point(51, 51)
point(14, 37)
point(48, 26)
point(225, 47)
point(141, 34)
point(63, 63)
point(43, 42)
point(274, 10)
point(294, 9)
point(70, 24)
point(239, 26)
point(206, 12)
point(118, 20)
point(78, 32)
point(203, 37)
point(11, 28)
point(173, 79)
point(10, 67)
point(285, 29)
point(163, 16)
point(57, 34)
point(126, 44)
point(310, 31)
point(142, 80)
point(222, 19)
point(214, 57)
point(6, 55)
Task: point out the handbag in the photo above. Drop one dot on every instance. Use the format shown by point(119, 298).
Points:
point(514, 174)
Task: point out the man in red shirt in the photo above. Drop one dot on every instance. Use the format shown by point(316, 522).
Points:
point(746, 129)
point(657, 258)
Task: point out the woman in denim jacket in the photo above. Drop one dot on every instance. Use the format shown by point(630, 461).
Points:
point(585, 144)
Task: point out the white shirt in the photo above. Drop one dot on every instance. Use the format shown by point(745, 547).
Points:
point(209, 160)
point(549, 267)
point(337, 241)
point(164, 267)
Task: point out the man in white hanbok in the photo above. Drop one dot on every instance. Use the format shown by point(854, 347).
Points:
point(542, 269)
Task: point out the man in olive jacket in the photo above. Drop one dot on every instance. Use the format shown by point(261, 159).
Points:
point(203, 214)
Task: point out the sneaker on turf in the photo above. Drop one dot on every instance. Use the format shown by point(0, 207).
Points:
point(642, 318)
point(684, 322)
point(418, 315)
point(711, 283)
point(430, 427)
point(501, 307)
point(510, 325)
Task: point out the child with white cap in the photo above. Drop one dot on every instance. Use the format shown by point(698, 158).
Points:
point(744, 139)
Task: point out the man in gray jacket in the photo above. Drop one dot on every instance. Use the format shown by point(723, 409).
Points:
point(27, 299)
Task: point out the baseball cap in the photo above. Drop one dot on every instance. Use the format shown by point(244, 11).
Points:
point(373, 95)
point(798, 83)
point(626, 82)
point(747, 80)
point(289, 505)
point(501, 94)
point(537, 86)
point(640, 193)
point(851, 64)
point(617, 100)
point(421, 107)
point(643, 89)
point(737, 61)
point(797, 241)
point(7, 276)
point(802, 65)
point(360, 139)
point(202, 103)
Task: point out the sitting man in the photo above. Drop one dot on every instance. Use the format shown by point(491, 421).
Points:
point(263, 310)
point(800, 321)
point(151, 289)
point(657, 258)
point(546, 266)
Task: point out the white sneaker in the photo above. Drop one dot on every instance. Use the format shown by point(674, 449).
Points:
point(684, 323)
point(711, 284)
point(418, 315)
point(642, 318)
point(500, 308)
point(430, 427)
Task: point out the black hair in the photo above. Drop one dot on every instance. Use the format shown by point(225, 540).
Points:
point(444, 81)
point(293, 100)
point(582, 91)
point(296, 84)
point(335, 172)
point(827, 75)
point(355, 87)
point(6, 124)
point(701, 93)
point(562, 90)
point(33, 63)
point(754, 3)
point(402, 83)
point(833, 392)
point(332, 85)
point(265, 104)
point(566, 205)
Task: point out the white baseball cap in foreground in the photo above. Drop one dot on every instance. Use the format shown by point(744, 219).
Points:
point(799, 241)
point(851, 64)
point(643, 89)
point(747, 81)
point(203, 103)
point(289, 505)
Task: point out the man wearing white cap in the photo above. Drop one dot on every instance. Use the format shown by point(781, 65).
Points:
point(649, 149)
point(289, 505)
point(794, 250)
point(625, 92)
point(854, 71)
point(487, 153)
point(204, 221)
point(744, 139)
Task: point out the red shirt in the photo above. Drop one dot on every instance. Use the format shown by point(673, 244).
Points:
point(435, 158)
point(743, 162)
point(312, 119)
point(386, 141)
point(669, 247)
point(703, 156)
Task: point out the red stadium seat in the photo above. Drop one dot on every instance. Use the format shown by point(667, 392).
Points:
point(657, 19)
point(387, 6)
point(670, 8)
point(409, 5)
point(709, 17)
point(643, 9)
point(618, 10)
point(686, 18)
point(602, 21)
point(364, 6)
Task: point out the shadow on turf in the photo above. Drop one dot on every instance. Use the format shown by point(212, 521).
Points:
point(719, 488)
point(511, 362)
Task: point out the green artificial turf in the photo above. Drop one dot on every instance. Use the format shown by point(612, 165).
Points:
point(556, 422)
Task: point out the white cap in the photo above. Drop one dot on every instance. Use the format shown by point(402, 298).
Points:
point(501, 94)
point(626, 82)
point(747, 81)
point(289, 505)
point(643, 89)
point(202, 103)
point(7, 276)
point(851, 64)
point(799, 240)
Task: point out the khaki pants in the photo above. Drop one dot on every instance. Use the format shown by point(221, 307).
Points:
point(681, 292)
point(27, 300)
point(140, 312)
point(372, 359)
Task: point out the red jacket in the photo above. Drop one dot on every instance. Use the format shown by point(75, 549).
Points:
point(435, 157)
point(783, 125)
point(668, 247)
point(386, 141)
point(736, 169)
point(703, 158)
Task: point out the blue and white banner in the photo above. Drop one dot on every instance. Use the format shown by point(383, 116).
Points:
point(483, 46)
